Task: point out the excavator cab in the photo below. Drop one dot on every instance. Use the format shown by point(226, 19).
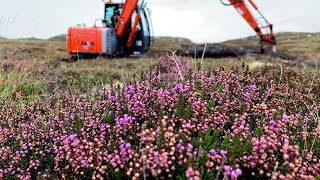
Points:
point(111, 11)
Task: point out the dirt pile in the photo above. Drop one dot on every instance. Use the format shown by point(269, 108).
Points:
point(224, 50)
point(215, 50)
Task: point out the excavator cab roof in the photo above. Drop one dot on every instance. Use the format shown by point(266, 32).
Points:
point(113, 1)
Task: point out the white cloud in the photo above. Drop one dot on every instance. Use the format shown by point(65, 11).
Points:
point(199, 20)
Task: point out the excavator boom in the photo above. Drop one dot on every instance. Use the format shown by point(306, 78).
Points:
point(125, 18)
point(267, 40)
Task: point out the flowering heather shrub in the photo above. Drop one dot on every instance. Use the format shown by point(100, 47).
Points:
point(231, 125)
point(170, 66)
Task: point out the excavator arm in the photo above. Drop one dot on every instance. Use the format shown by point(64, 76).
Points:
point(267, 40)
point(125, 18)
point(124, 21)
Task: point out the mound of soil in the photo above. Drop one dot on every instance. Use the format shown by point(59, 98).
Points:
point(215, 50)
point(224, 50)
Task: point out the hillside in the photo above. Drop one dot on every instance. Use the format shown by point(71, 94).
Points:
point(303, 46)
point(61, 37)
point(294, 42)
point(291, 42)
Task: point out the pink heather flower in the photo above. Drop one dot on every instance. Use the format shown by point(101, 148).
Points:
point(223, 152)
point(285, 117)
point(72, 137)
point(190, 146)
point(75, 143)
point(226, 168)
point(24, 147)
point(130, 89)
point(247, 96)
point(210, 78)
point(128, 146)
point(272, 122)
point(103, 127)
point(286, 142)
point(195, 153)
point(110, 97)
point(84, 162)
point(121, 146)
point(65, 142)
point(298, 115)
point(253, 88)
point(138, 103)
point(23, 125)
point(239, 172)
point(213, 152)
point(179, 88)
point(179, 145)
point(189, 172)
point(234, 175)
point(126, 119)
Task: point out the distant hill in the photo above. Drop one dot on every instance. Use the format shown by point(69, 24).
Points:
point(293, 42)
point(168, 39)
point(164, 43)
point(31, 38)
point(281, 37)
point(61, 37)
point(299, 42)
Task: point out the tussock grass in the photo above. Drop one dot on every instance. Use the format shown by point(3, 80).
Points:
point(20, 87)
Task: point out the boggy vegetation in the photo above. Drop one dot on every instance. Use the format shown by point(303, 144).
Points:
point(173, 121)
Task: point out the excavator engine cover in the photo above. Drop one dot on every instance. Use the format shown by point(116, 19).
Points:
point(92, 40)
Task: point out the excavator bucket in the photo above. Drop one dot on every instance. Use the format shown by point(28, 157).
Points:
point(267, 48)
point(268, 44)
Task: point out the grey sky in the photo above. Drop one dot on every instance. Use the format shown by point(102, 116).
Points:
point(199, 20)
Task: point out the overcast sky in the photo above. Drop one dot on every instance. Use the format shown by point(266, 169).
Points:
point(198, 20)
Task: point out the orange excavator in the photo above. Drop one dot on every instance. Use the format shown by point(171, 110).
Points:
point(126, 30)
